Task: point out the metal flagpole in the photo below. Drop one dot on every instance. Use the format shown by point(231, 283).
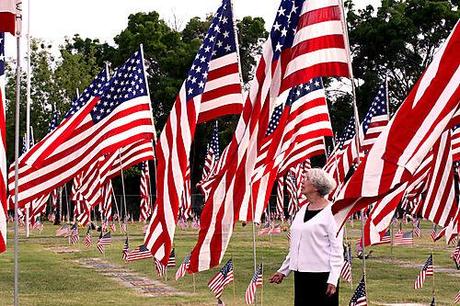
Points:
point(16, 168)
point(66, 197)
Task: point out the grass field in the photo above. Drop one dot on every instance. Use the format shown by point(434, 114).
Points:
point(47, 278)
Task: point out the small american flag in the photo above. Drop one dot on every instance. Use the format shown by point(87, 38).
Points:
point(141, 252)
point(113, 227)
point(427, 270)
point(359, 298)
point(221, 279)
point(124, 227)
point(63, 231)
point(345, 273)
point(172, 259)
point(456, 254)
point(88, 241)
point(183, 267)
point(256, 281)
point(401, 238)
point(103, 241)
point(275, 229)
point(125, 250)
point(417, 231)
point(74, 234)
point(264, 230)
point(457, 298)
point(161, 269)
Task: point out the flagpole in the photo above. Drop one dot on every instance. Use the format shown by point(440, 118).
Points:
point(67, 203)
point(387, 96)
point(16, 172)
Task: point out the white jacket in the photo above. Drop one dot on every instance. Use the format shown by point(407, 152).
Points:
point(315, 245)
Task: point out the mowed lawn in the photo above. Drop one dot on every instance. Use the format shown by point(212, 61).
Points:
point(47, 278)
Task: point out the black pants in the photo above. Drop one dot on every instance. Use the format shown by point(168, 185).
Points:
point(310, 289)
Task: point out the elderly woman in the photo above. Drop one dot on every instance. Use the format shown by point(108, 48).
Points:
point(316, 251)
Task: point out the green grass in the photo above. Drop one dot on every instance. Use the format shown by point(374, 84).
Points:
point(47, 278)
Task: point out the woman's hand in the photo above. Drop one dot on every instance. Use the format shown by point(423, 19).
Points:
point(331, 289)
point(277, 278)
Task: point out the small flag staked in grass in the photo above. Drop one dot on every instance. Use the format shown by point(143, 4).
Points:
point(221, 279)
point(427, 270)
point(183, 267)
point(256, 281)
point(359, 298)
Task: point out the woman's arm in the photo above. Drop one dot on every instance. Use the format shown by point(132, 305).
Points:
point(336, 256)
point(284, 269)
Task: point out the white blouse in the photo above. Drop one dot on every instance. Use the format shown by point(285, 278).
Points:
point(315, 245)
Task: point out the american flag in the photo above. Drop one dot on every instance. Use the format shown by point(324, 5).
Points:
point(456, 143)
point(211, 161)
point(183, 267)
point(376, 119)
point(103, 241)
point(221, 279)
point(427, 270)
point(161, 268)
point(359, 298)
point(345, 273)
point(212, 84)
point(64, 231)
point(291, 188)
point(287, 61)
point(440, 204)
point(406, 238)
point(172, 259)
point(264, 230)
point(417, 231)
point(457, 298)
point(146, 203)
point(88, 241)
point(280, 197)
point(8, 21)
point(125, 250)
point(107, 201)
point(256, 281)
point(185, 208)
point(141, 252)
point(456, 254)
point(275, 229)
point(106, 117)
point(54, 195)
point(413, 131)
point(294, 133)
point(74, 238)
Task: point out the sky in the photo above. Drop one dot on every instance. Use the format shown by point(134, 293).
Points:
point(53, 20)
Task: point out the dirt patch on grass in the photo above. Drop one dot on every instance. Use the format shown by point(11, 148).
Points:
point(142, 285)
point(406, 264)
point(63, 250)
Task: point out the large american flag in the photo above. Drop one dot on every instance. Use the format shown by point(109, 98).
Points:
point(145, 193)
point(302, 127)
point(8, 19)
point(359, 297)
point(280, 197)
point(211, 85)
point(101, 121)
point(376, 119)
point(211, 160)
point(456, 143)
point(221, 279)
point(427, 270)
point(256, 281)
point(306, 41)
point(413, 131)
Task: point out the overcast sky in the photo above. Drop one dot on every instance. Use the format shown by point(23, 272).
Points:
point(52, 20)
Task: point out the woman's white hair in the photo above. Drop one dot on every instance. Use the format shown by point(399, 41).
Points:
point(322, 181)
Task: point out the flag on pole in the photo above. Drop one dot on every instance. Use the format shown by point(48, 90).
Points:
point(212, 84)
point(103, 241)
point(411, 134)
point(172, 259)
point(146, 203)
point(107, 116)
point(88, 241)
point(345, 273)
point(211, 161)
point(183, 268)
point(427, 270)
point(161, 269)
point(256, 281)
point(221, 279)
point(125, 250)
point(141, 252)
point(457, 298)
point(11, 16)
point(359, 297)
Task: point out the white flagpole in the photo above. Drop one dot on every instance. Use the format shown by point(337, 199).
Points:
point(123, 187)
point(16, 157)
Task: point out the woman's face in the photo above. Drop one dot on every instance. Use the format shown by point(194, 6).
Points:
point(307, 187)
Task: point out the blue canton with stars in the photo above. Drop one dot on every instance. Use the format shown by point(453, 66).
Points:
point(227, 268)
point(285, 26)
point(2, 53)
point(378, 108)
point(128, 82)
point(54, 121)
point(360, 293)
point(218, 42)
point(215, 142)
point(295, 94)
point(94, 89)
point(348, 134)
